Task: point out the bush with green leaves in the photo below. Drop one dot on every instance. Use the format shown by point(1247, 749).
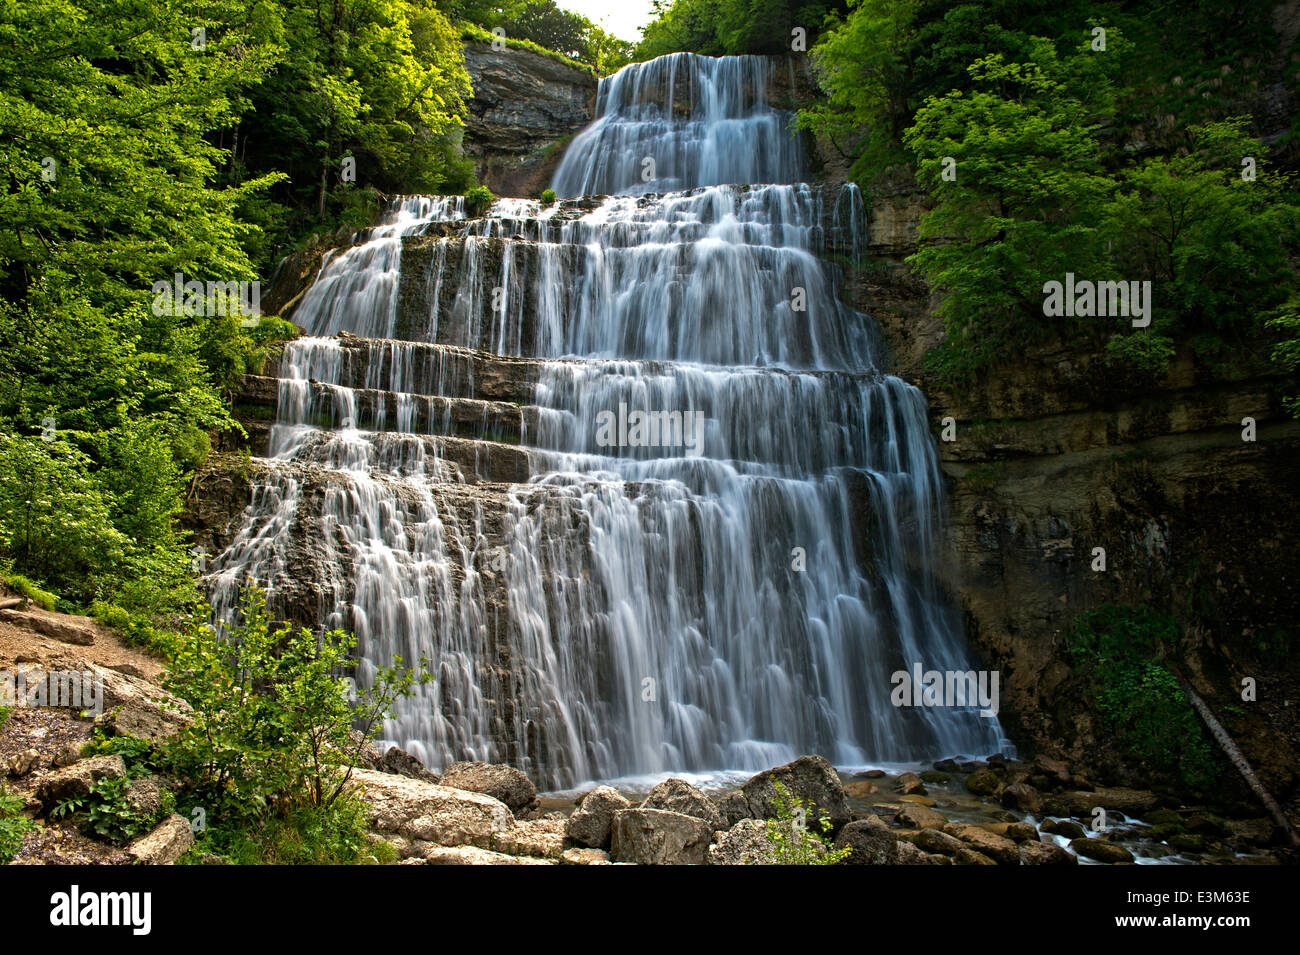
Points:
point(800, 833)
point(478, 200)
point(1124, 651)
point(108, 813)
point(13, 824)
point(273, 715)
point(548, 197)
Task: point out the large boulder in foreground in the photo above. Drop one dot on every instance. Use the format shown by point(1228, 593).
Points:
point(659, 837)
point(677, 795)
point(592, 822)
point(428, 812)
point(809, 778)
point(135, 707)
point(511, 786)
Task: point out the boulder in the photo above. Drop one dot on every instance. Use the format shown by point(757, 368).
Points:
point(983, 782)
point(22, 763)
point(909, 784)
point(501, 782)
point(1023, 797)
point(165, 844)
point(998, 848)
point(745, 843)
point(68, 754)
point(1054, 769)
point(936, 777)
point(401, 763)
point(473, 855)
point(968, 856)
point(947, 766)
point(677, 795)
point(809, 778)
point(533, 837)
point(1045, 853)
point(592, 822)
point(145, 796)
point(659, 837)
point(733, 807)
point(585, 857)
point(936, 840)
point(1063, 827)
point(870, 842)
point(861, 789)
point(67, 629)
point(920, 817)
point(428, 812)
point(136, 707)
point(1100, 850)
point(77, 779)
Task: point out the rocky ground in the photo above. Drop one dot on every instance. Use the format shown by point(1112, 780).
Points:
point(988, 812)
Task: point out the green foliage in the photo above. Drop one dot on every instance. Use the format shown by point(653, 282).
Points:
point(107, 813)
point(13, 824)
point(1287, 352)
point(478, 199)
point(800, 834)
point(721, 27)
point(548, 196)
point(303, 835)
point(139, 755)
point(24, 587)
point(1122, 650)
point(272, 719)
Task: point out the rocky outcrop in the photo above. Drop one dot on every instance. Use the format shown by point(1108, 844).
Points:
point(745, 843)
point(677, 795)
point(505, 783)
point(77, 780)
point(425, 812)
point(810, 779)
point(659, 837)
point(525, 107)
point(592, 821)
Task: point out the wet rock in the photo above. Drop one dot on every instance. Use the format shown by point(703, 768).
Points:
point(936, 840)
point(401, 763)
point(77, 779)
point(916, 800)
point(1053, 769)
point(658, 837)
point(983, 782)
point(1045, 853)
point(808, 778)
point(1187, 842)
point(861, 789)
point(909, 784)
point(429, 812)
point(677, 795)
point(1063, 827)
point(509, 785)
point(745, 843)
point(1100, 850)
point(1205, 824)
point(998, 848)
point(1133, 802)
point(933, 776)
point(968, 856)
point(871, 842)
point(1253, 832)
point(1023, 797)
point(920, 817)
point(166, 844)
point(591, 823)
point(947, 766)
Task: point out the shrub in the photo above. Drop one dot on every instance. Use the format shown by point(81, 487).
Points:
point(107, 813)
point(478, 199)
point(13, 824)
point(792, 835)
point(548, 196)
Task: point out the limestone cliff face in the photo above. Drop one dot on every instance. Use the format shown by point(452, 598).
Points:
point(1054, 456)
point(525, 107)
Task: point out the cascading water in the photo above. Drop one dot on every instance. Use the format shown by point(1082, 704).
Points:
point(720, 545)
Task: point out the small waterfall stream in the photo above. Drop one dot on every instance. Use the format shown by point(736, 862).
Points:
point(727, 586)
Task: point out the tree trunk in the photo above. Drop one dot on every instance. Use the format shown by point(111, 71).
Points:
point(1234, 754)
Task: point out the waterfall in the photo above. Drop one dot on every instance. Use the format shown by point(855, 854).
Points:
point(626, 469)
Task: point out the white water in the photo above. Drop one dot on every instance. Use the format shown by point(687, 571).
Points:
point(652, 617)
